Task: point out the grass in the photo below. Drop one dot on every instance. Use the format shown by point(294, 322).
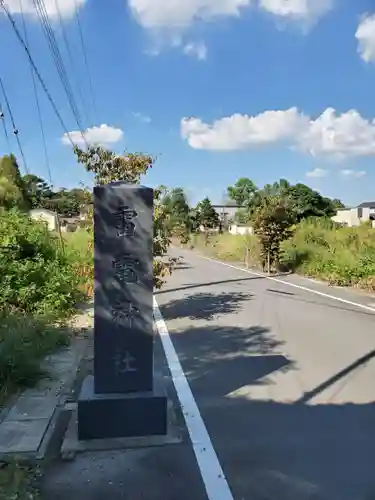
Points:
point(25, 341)
point(40, 288)
point(79, 249)
point(341, 256)
point(228, 247)
point(19, 482)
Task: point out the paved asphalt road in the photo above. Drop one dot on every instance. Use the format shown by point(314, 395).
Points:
point(284, 383)
point(283, 379)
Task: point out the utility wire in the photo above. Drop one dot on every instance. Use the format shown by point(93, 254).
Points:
point(45, 22)
point(37, 100)
point(10, 17)
point(71, 59)
point(15, 130)
point(2, 118)
point(44, 18)
point(86, 59)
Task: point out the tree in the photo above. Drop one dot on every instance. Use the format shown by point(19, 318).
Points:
point(109, 167)
point(194, 220)
point(12, 191)
point(309, 203)
point(38, 190)
point(66, 202)
point(337, 204)
point(207, 215)
point(177, 208)
point(271, 223)
point(242, 192)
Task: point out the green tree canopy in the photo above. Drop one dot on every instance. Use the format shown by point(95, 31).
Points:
point(242, 192)
point(38, 190)
point(309, 203)
point(271, 222)
point(206, 214)
point(12, 191)
point(177, 209)
point(176, 205)
point(304, 201)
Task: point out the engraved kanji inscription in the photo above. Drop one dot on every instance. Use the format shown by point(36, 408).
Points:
point(125, 267)
point(123, 220)
point(124, 312)
point(124, 363)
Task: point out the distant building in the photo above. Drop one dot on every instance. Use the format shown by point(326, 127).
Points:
point(355, 216)
point(69, 224)
point(240, 229)
point(50, 218)
point(85, 211)
point(226, 213)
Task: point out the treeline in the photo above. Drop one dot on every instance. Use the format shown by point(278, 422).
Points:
point(299, 201)
point(271, 211)
point(30, 191)
point(181, 219)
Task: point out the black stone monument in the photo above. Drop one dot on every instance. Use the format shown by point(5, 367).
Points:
point(122, 398)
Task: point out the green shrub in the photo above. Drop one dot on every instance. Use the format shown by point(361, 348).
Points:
point(37, 277)
point(79, 250)
point(318, 248)
point(340, 255)
point(24, 342)
point(229, 247)
point(20, 481)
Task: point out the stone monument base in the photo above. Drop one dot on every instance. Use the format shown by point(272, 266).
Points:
point(103, 416)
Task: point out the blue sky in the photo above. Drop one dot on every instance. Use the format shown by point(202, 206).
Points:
point(217, 89)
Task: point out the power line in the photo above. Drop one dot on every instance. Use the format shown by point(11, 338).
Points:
point(15, 130)
point(85, 58)
point(2, 118)
point(48, 31)
point(44, 19)
point(71, 59)
point(10, 17)
point(37, 100)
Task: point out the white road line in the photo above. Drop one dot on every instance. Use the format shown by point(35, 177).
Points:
point(293, 285)
point(216, 485)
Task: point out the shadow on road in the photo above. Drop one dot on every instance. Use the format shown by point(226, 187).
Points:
point(219, 360)
point(204, 306)
point(338, 376)
point(211, 283)
point(178, 267)
point(297, 298)
point(271, 450)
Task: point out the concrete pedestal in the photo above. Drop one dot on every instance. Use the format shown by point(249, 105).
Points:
point(102, 416)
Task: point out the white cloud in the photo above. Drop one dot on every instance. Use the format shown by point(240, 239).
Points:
point(178, 15)
point(357, 174)
point(365, 35)
point(242, 131)
point(66, 7)
point(196, 49)
point(104, 135)
point(168, 21)
point(339, 136)
point(331, 134)
point(142, 117)
point(317, 172)
point(306, 11)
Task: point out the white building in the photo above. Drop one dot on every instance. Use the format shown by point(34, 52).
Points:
point(240, 229)
point(48, 216)
point(226, 213)
point(355, 216)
